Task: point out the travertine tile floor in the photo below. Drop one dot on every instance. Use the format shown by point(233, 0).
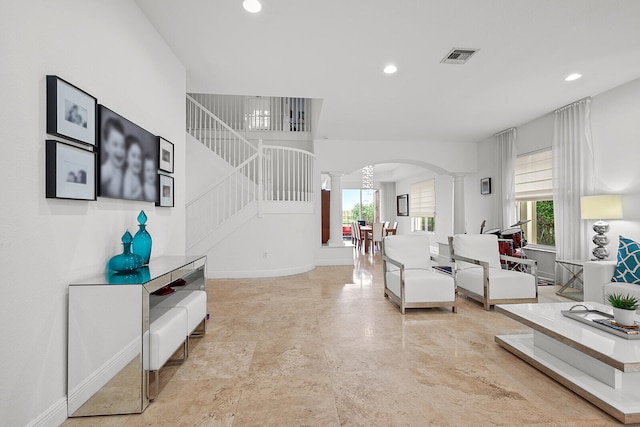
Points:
point(325, 348)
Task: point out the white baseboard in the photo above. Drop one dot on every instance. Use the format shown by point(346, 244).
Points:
point(55, 415)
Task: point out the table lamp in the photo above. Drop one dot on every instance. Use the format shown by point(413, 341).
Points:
point(606, 206)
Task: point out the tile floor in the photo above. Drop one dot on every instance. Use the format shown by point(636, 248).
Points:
point(325, 348)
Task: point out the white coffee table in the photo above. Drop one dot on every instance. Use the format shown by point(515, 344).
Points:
point(597, 365)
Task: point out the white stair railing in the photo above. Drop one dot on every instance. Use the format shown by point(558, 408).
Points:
point(258, 113)
point(220, 202)
point(216, 135)
point(262, 173)
point(287, 174)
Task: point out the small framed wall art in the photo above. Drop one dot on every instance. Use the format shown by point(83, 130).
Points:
point(165, 191)
point(485, 186)
point(70, 172)
point(403, 205)
point(71, 112)
point(165, 153)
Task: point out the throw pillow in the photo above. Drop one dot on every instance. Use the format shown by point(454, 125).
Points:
point(628, 266)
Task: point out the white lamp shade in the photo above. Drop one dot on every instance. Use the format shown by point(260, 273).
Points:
point(606, 206)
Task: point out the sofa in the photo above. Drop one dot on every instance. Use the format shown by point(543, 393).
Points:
point(597, 282)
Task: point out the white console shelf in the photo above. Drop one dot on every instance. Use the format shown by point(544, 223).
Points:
point(108, 341)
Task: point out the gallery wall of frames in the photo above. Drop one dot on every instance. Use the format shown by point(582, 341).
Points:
point(102, 154)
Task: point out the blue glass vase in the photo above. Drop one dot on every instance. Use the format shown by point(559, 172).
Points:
point(126, 261)
point(142, 240)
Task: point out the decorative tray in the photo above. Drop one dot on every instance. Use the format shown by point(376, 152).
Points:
point(604, 321)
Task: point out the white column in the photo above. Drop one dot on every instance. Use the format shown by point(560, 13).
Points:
point(458, 205)
point(335, 211)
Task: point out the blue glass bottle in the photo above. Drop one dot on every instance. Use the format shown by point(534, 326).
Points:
point(126, 261)
point(142, 240)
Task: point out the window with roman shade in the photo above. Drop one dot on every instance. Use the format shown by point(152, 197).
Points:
point(533, 175)
point(422, 205)
point(534, 196)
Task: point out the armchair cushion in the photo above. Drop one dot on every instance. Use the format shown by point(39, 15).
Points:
point(422, 285)
point(483, 247)
point(504, 284)
point(412, 250)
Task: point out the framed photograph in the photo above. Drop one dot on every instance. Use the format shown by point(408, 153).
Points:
point(71, 112)
point(128, 159)
point(165, 156)
point(165, 191)
point(485, 186)
point(403, 205)
point(70, 172)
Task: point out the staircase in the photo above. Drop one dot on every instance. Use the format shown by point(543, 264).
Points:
point(261, 174)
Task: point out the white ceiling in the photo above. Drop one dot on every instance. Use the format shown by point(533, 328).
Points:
point(335, 50)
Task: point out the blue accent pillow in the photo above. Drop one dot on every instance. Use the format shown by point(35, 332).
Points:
point(628, 267)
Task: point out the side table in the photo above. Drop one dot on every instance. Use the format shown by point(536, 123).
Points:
point(575, 268)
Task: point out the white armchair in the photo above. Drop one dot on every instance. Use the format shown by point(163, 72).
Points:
point(479, 275)
point(409, 280)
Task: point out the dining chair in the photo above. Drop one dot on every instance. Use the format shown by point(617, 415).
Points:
point(375, 236)
point(357, 235)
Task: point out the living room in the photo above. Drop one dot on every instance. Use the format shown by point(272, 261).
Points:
point(112, 50)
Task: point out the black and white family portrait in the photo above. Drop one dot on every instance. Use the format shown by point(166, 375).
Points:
point(128, 159)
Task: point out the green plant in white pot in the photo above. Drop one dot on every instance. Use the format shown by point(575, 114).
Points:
point(624, 308)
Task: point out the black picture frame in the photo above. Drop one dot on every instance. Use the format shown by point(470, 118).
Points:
point(402, 202)
point(71, 112)
point(70, 172)
point(165, 191)
point(165, 155)
point(485, 186)
point(128, 156)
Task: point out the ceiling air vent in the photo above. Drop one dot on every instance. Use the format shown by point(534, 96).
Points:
point(458, 56)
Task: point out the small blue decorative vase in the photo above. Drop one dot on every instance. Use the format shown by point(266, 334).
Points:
point(142, 240)
point(126, 261)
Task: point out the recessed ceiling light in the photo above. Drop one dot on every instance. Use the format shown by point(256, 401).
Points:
point(390, 69)
point(252, 6)
point(572, 77)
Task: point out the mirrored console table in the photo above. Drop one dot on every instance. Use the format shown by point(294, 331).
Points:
point(108, 338)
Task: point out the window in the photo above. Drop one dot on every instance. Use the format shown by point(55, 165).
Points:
point(357, 205)
point(422, 205)
point(534, 196)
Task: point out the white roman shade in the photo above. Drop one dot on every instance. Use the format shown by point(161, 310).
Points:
point(422, 200)
point(534, 177)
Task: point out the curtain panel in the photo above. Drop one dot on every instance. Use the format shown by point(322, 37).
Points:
point(573, 165)
point(505, 188)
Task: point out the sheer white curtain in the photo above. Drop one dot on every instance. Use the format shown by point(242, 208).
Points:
point(573, 165)
point(505, 186)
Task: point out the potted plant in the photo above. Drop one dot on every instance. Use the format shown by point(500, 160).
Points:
point(624, 308)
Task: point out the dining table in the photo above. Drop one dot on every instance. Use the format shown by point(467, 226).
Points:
point(366, 229)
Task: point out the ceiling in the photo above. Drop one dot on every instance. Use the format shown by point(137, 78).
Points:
point(335, 50)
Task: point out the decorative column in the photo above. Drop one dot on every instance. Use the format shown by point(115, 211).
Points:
point(458, 204)
point(335, 211)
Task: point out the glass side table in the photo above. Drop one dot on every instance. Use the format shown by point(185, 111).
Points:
point(575, 268)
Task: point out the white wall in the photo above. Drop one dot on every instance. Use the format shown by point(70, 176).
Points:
point(440, 157)
point(615, 126)
point(110, 50)
point(278, 244)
